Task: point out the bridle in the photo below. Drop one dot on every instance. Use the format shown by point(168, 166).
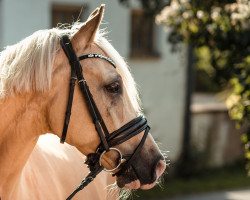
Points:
point(108, 140)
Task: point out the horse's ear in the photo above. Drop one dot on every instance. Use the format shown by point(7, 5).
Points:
point(88, 31)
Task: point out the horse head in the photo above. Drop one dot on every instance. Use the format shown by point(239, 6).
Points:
point(116, 98)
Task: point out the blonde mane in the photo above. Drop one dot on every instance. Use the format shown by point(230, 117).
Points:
point(27, 65)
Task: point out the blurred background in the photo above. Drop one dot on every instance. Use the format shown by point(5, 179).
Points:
point(191, 60)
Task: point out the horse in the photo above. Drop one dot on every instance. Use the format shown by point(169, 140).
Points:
point(34, 89)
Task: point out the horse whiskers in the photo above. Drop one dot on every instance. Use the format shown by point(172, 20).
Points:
point(165, 156)
point(112, 189)
point(160, 181)
point(164, 153)
point(125, 194)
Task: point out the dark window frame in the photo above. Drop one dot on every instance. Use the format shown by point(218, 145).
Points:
point(66, 13)
point(142, 36)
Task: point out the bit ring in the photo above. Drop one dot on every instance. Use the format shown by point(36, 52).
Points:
point(120, 160)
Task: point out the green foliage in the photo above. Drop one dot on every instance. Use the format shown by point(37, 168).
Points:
point(208, 79)
point(220, 33)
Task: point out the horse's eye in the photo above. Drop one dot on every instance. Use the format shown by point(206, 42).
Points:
point(114, 87)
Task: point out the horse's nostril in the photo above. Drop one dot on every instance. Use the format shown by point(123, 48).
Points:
point(160, 168)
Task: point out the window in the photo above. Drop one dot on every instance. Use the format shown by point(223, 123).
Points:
point(66, 14)
point(142, 35)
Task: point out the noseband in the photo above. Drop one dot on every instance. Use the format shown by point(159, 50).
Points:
point(108, 140)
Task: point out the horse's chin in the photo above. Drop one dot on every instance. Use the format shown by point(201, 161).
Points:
point(137, 184)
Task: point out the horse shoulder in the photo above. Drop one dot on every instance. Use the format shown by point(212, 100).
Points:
point(54, 170)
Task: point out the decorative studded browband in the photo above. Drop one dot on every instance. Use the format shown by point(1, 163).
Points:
point(108, 140)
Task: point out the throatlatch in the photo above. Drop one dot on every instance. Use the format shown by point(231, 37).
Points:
point(108, 140)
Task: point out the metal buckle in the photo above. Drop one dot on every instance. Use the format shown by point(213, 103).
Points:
point(121, 160)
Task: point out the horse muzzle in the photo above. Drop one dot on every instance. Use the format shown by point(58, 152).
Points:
point(139, 175)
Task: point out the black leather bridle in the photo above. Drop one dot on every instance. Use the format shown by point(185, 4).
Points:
point(108, 140)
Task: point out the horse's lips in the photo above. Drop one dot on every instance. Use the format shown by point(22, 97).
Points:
point(160, 168)
point(133, 185)
point(136, 185)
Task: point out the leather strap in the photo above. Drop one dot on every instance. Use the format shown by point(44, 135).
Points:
point(126, 164)
point(76, 70)
point(90, 177)
point(71, 93)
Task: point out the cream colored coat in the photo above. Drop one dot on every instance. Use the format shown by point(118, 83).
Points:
point(62, 168)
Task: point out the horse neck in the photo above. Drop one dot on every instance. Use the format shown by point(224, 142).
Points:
point(22, 121)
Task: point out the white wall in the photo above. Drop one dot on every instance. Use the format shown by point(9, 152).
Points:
point(161, 81)
point(214, 139)
point(21, 18)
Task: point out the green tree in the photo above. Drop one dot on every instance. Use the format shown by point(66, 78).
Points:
point(222, 29)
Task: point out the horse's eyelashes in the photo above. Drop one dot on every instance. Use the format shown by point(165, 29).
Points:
point(114, 87)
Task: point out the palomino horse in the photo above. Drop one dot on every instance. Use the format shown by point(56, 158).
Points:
point(34, 92)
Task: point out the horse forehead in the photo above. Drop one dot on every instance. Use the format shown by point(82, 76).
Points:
point(99, 68)
point(97, 65)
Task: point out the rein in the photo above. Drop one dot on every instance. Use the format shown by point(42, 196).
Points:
point(108, 140)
